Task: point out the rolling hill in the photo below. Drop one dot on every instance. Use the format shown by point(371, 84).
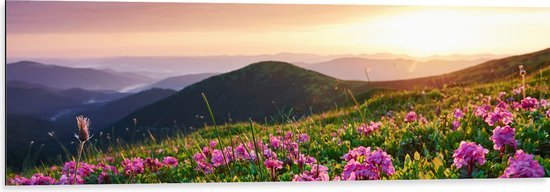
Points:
point(65, 77)
point(490, 71)
point(258, 91)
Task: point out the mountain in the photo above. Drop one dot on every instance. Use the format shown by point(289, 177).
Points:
point(179, 82)
point(490, 71)
point(47, 103)
point(21, 130)
point(115, 110)
point(353, 68)
point(260, 91)
point(66, 77)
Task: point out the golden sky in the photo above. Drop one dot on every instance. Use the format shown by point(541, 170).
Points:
point(101, 29)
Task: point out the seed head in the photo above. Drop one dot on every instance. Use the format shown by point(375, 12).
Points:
point(83, 128)
point(522, 71)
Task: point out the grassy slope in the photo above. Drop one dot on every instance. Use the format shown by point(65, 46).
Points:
point(419, 151)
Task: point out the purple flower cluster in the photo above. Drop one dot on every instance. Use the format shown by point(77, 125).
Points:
point(317, 173)
point(469, 153)
point(364, 164)
point(523, 165)
point(458, 115)
point(133, 166)
point(36, 179)
point(529, 104)
point(410, 117)
point(368, 129)
point(503, 136)
point(499, 116)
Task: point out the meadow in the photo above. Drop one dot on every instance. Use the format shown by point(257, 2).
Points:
point(491, 130)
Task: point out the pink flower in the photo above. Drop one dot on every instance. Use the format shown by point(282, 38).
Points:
point(363, 164)
point(499, 115)
point(274, 141)
point(40, 179)
point(217, 158)
point(518, 90)
point(273, 164)
point(18, 180)
point(482, 111)
point(103, 178)
point(202, 164)
point(523, 165)
point(152, 164)
point(170, 161)
point(303, 138)
point(544, 103)
point(268, 154)
point(502, 105)
point(368, 129)
point(133, 166)
point(410, 117)
point(503, 136)
point(304, 160)
point(469, 153)
point(317, 173)
point(456, 125)
point(501, 94)
point(213, 144)
point(458, 114)
point(68, 179)
point(529, 104)
point(548, 113)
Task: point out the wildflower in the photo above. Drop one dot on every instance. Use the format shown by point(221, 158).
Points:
point(469, 153)
point(65, 179)
point(503, 136)
point(213, 144)
point(103, 178)
point(268, 154)
point(529, 104)
point(152, 164)
point(544, 103)
point(523, 165)
point(410, 117)
point(482, 111)
point(516, 105)
point(133, 166)
point(18, 180)
point(499, 115)
point(83, 128)
point(304, 160)
point(273, 164)
point(274, 141)
point(456, 125)
point(501, 94)
point(40, 179)
point(548, 113)
point(518, 90)
point(366, 164)
point(217, 158)
point(170, 161)
point(109, 159)
point(458, 114)
point(317, 173)
point(502, 105)
point(368, 129)
point(303, 138)
point(202, 164)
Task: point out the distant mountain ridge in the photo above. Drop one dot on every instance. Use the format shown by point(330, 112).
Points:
point(178, 82)
point(67, 77)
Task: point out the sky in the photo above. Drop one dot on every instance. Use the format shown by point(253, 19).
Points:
point(108, 29)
